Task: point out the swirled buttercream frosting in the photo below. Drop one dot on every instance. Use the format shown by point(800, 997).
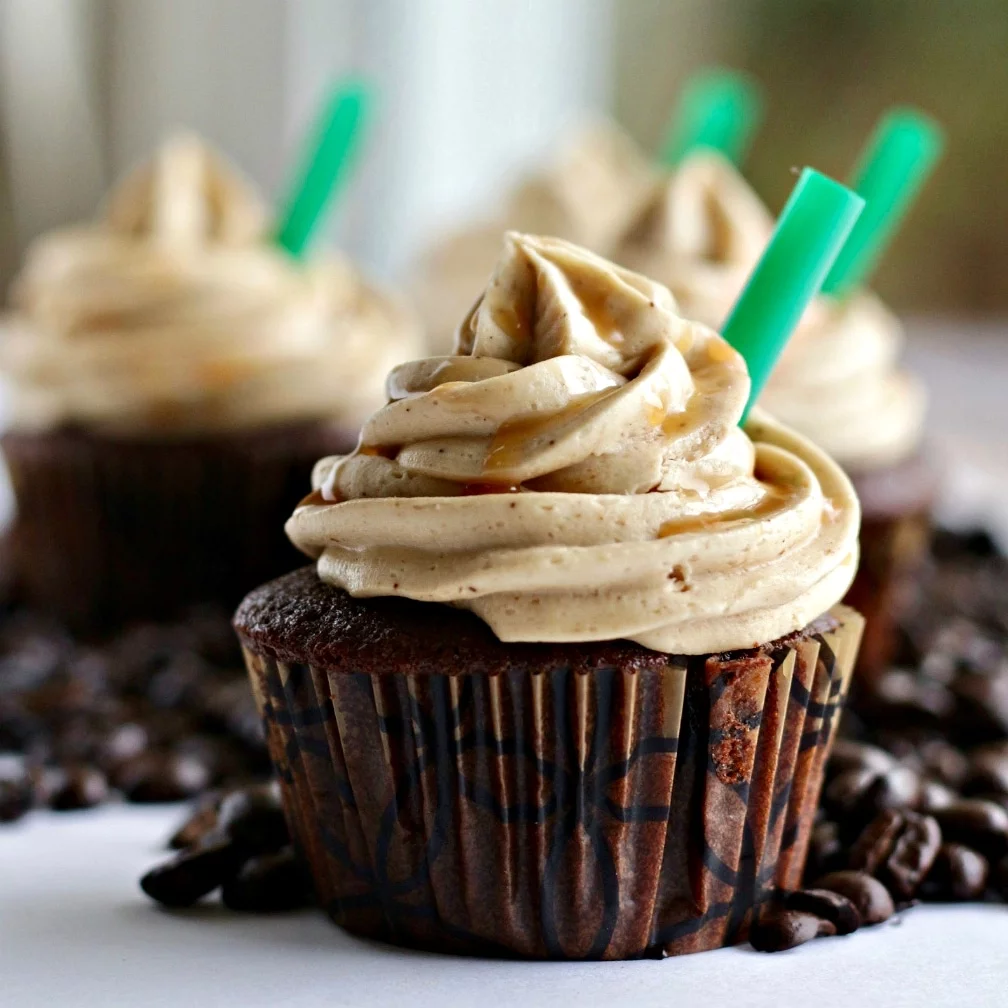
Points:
point(576, 472)
point(837, 381)
point(588, 193)
point(175, 313)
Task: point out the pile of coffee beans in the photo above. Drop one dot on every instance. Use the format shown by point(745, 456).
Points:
point(159, 712)
point(236, 842)
point(916, 792)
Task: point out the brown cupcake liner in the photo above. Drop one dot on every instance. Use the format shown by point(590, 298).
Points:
point(110, 529)
point(894, 549)
point(558, 815)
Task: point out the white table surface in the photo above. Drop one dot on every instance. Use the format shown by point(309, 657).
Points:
point(75, 930)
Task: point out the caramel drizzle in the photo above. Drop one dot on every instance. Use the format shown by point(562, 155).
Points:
point(772, 501)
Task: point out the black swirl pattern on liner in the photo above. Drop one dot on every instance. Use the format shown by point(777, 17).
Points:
point(565, 815)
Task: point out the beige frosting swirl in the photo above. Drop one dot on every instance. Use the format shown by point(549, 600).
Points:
point(576, 473)
point(837, 381)
point(589, 193)
point(701, 235)
point(174, 313)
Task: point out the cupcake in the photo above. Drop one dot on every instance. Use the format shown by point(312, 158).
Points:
point(837, 382)
point(172, 376)
point(566, 672)
point(588, 193)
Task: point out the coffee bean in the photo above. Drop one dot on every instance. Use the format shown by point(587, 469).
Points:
point(943, 762)
point(202, 820)
point(846, 792)
point(161, 777)
point(254, 820)
point(269, 884)
point(82, 787)
point(935, 796)
point(976, 823)
point(988, 770)
point(958, 874)
point(192, 874)
point(825, 850)
point(912, 855)
point(999, 878)
point(876, 841)
point(850, 755)
point(870, 896)
point(778, 930)
point(16, 791)
point(829, 905)
point(123, 743)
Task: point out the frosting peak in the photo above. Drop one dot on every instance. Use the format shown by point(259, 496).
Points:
point(174, 313)
point(576, 472)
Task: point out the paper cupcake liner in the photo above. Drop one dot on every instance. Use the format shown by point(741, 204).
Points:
point(111, 529)
point(561, 815)
point(893, 552)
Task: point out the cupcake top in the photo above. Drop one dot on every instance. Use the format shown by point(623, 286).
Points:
point(701, 234)
point(589, 193)
point(576, 472)
point(174, 313)
point(837, 381)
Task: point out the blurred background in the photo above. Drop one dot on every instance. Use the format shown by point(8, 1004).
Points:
point(471, 93)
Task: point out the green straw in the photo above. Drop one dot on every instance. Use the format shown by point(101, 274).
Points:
point(893, 168)
point(810, 231)
point(719, 110)
point(333, 142)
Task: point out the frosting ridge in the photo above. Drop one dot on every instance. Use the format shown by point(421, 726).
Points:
point(576, 472)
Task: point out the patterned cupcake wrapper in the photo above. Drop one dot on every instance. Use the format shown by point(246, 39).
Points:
point(111, 529)
point(561, 815)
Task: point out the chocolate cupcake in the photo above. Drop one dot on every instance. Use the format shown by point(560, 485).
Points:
point(173, 376)
point(837, 381)
point(564, 679)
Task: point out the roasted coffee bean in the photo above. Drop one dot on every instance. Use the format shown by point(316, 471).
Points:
point(850, 755)
point(16, 791)
point(254, 820)
point(979, 824)
point(269, 884)
point(778, 930)
point(82, 787)
point(912, 855)
point(935, 796)
point(825, 850)
point(988, 770)
point(999, 878)
point(827, 904)
point(161, 777)
point(876, 841)
point(846, 792)
point(202, 820)
point(870, 896)
point(125, 742)
point(943, 762)
point(192, 874)
point(958, 874)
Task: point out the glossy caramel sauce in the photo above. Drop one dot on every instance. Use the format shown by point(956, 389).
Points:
point(508, 444)
point(773, 500)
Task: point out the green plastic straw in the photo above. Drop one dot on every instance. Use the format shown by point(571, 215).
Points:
point(810, 231)
point(719, 110)
point(893, 168)
point(334, 140)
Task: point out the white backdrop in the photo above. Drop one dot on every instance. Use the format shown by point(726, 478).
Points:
point(468, 91)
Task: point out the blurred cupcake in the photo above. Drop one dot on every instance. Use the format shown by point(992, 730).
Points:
point(565, 677)
point(837, 382)
point(588, 194)
point(171, 377)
